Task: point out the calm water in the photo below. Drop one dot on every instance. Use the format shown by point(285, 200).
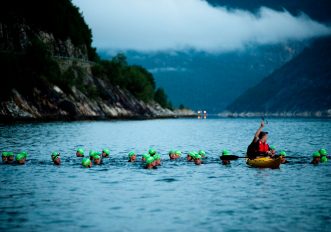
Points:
point(178, 196)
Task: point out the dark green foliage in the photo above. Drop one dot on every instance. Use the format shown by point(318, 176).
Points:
point(59, 17)
point(161, 98)
point(135, 79)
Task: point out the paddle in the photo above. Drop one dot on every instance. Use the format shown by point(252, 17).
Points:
point(234, 157)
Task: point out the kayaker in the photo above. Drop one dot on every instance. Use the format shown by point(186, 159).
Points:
point(151, 152)
point(80, 152)
point(316, 158)
point(197, 159)
point(86, 163)
point(225, 161)
point(144, 157)
point(259, 146)
point(149, 162)
point(323, 154)
point(56, 158)
point(105, 153)
point(132, 156)
point(282, 156)
point(21, 157)
point(202, 153)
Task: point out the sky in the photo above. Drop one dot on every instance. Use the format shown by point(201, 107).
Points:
point(164, 25)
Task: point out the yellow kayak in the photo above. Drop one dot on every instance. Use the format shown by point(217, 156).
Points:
point(264, 162)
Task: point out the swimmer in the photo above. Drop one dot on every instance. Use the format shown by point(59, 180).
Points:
point(105, 153)
point(80, 152)
point(149, 162)
point(197, 159)
point(4, 156)
point(202, 153)
point(323, 154)
point(97, 158)
point(132, 156)
point(151, 152)
point(225, 161)
point(157, 159)
point(56, 158)
point(144, 157)
point(21, 157)
point(316, 158)
point(282, 156)
point(178, 154)
point(272, 150)
point(190, 156)
point(92, 154)
point(172, 154)
point(86, 162)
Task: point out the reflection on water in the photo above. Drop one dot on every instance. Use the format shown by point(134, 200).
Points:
point(178, 196)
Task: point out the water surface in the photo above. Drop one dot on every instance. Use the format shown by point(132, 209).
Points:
point(178, 196)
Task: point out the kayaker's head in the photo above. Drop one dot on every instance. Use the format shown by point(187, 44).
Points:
point(132, 156)
point(105, 153)
point(263, 136)
point(80, 152)
point(86, 162)
point(56, 158)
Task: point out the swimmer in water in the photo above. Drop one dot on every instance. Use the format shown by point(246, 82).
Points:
point(56, 158)
point(149, 163)
point(80, 152)
point(151, 152)
point(197, 159)
point(316, 158)
point(97, 158)
point(157, 159)
point(202, 153)
point(178, 154)
point(172, 154)
point(282, 156)
point(86, 162)
point(144, 157)
point(132, 156)
point(324, 155)
point(21, 157)
point(190, 156)
point(272, 150)
point(225, 161)
point(105, 153)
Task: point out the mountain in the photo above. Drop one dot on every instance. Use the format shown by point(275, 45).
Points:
point(301, 87)
point(317, 10)
point(201, 80)
point(50, 71)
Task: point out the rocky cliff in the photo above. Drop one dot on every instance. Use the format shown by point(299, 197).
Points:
point(46, 69)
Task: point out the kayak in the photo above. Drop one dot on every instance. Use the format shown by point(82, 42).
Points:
point(264, 162)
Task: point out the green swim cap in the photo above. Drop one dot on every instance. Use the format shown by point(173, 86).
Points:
point(178, 152)
point(172, 152)
point(197, 156)
point(323, 152)
point(55, 155)
point(131, 153)
point(149, 160)
point(4, 153)
point(202, 153)
point(192, 154)
point(96, 156)
point(107, 151)
point(225, 152)
point(146, 155)
point(324, 159)
point(272, 147)
point(86, 162)
point(151, 151)
point(80, 151)
point(157, 157)
point(20, 156)
point(92, 153)
point(316, 154)
point(282, 153)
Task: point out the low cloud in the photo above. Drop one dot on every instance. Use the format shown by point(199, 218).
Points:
point(163, 25)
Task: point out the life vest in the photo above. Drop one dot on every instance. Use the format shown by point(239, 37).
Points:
point(263, 147)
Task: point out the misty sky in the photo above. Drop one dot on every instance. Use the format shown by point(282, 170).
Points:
point(162, 25)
